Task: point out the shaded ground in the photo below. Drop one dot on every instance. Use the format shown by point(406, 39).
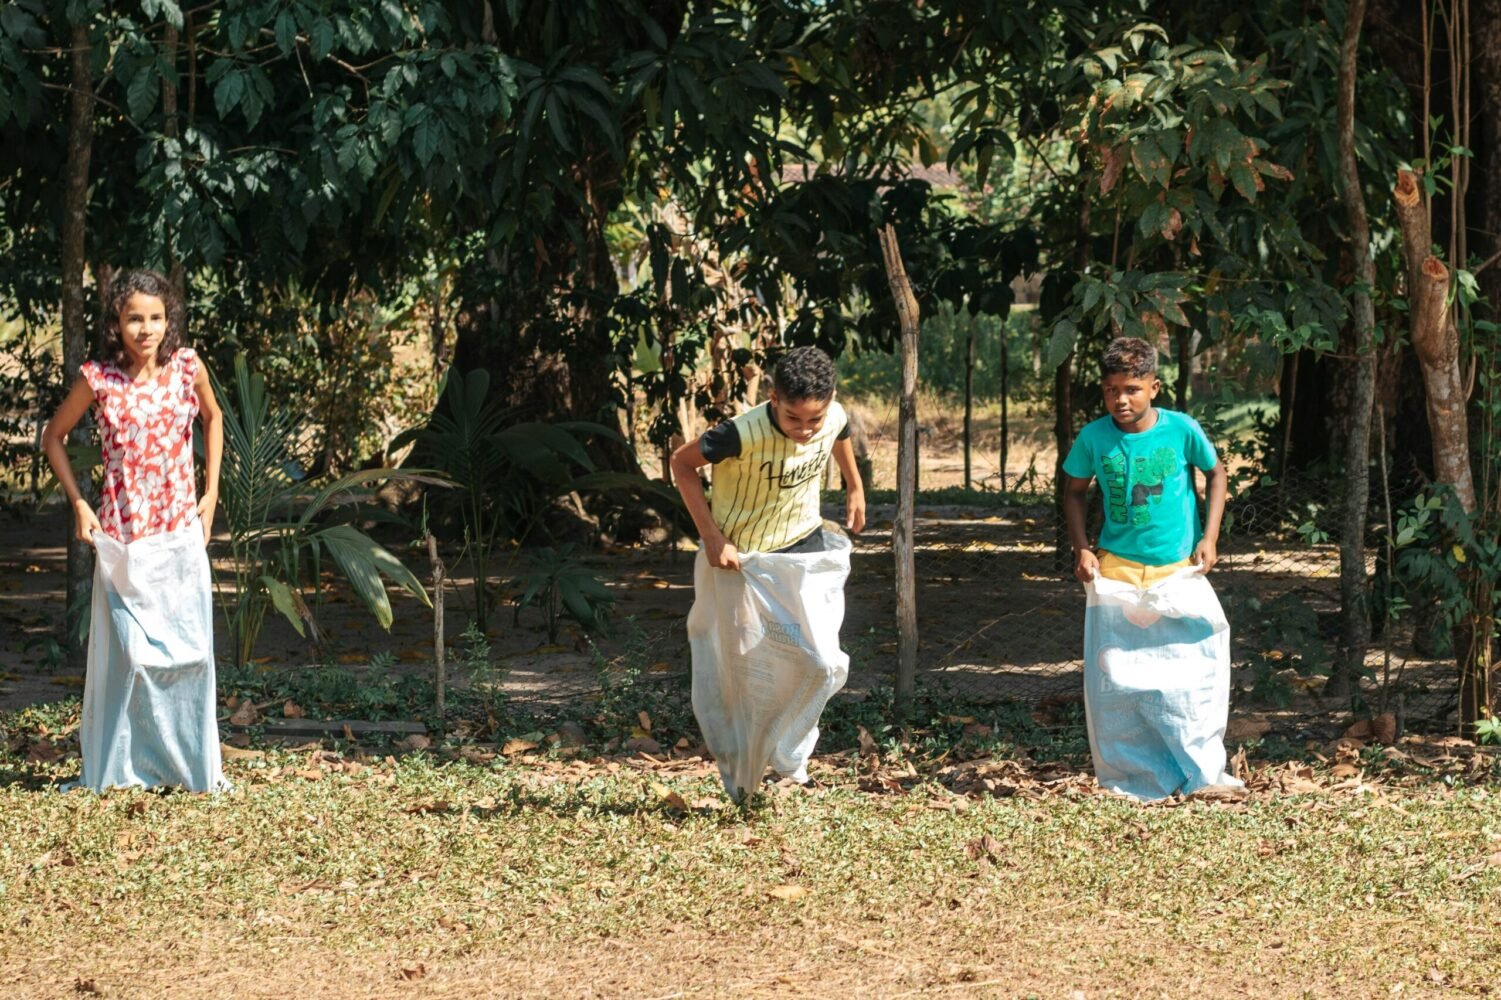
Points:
point(998, 621)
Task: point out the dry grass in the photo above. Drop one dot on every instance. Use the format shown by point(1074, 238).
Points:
point(324, 876)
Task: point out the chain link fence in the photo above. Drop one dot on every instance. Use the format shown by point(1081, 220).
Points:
point(1001, 617)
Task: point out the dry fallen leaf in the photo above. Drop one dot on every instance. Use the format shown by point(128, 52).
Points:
point(669, 797)
point(787, 892)
point(43, 752)
point(1250, 728)
point(429, 806)
point(245, 715)
point(413, 970)
point(986, 847)
point(642, 744)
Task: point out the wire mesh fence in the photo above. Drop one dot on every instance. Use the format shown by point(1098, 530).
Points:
point(1001, 617)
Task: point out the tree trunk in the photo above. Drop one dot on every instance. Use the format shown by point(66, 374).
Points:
point(906, 473)
point(1487, 139)
point(1435, 340)
point(1485, 203)
point(1355, 629)
point(172, 130)
point(74, 316)
point(1063, 440)
point(1005, 391)
point(1063, 404)
point(1184, 338)
point(969, 404)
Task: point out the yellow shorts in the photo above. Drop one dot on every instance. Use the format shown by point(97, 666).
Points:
point(1140, 575)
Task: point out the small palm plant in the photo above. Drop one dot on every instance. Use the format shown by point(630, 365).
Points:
point(562, 584)
point(278, 521)
point(507, 472)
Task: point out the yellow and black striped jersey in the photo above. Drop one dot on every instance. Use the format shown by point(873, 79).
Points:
point(766, 497)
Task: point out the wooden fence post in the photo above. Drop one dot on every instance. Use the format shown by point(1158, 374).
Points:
point(440, 681)
point(906, 473)
point(969, 403)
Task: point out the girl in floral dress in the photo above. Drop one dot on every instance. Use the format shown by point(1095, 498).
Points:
point(149, 702)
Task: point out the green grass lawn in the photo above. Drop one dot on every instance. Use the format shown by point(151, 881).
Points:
point(463, 872)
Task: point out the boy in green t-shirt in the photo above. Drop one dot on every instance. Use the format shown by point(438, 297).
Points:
point(1156, 641)
point(1141, 456)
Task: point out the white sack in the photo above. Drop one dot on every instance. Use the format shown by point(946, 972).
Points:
point(148, 696)
point(766, 658)
point(1157, 685)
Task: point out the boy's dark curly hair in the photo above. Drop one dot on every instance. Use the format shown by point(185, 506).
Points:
point(141, 281)
point(804, 373)
point(1129, 356)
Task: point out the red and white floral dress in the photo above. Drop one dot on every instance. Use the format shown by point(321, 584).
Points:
point(146, 436)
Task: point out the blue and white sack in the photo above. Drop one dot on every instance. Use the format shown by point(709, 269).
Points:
point(148, 696)
point(1157, 685)
point(766, 658)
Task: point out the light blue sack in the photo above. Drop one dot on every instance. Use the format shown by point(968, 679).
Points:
point(148, 696)
point(1157, 685)
point(766, 658)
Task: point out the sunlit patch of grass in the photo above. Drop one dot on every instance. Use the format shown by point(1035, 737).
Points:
point(461, 862)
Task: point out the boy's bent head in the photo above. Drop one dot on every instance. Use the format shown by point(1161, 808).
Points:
point(1130, 356)
point(802, 387)
point(804, 374)
point(1130, 383)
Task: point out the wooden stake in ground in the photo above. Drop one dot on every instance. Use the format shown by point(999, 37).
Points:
point(440, 682)
point(906, 471)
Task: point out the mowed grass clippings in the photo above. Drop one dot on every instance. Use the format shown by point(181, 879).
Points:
point(322, 877)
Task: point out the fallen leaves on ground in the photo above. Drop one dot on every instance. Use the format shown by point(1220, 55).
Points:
point(246, 714)
point(983, 848)
point(416, 741)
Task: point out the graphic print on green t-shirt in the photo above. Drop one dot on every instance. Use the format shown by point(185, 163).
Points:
point(1151, 514)
point(1144, 487)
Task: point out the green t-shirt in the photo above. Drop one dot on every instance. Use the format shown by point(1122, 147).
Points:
point(1151, 513)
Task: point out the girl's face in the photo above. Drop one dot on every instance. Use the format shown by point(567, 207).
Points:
point(142, 323)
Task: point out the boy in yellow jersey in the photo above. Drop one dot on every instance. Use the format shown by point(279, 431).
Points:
point(1156, 641)
point(769, 580)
